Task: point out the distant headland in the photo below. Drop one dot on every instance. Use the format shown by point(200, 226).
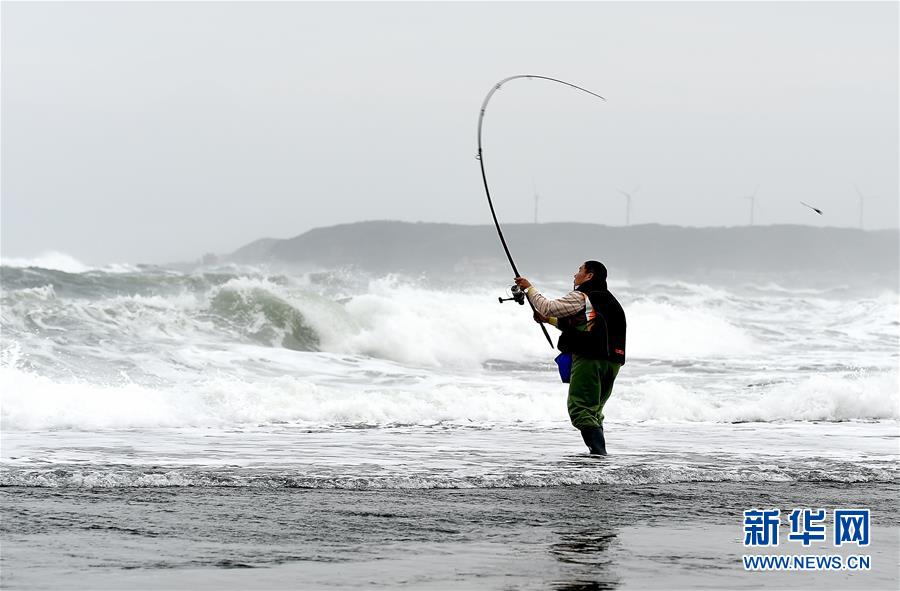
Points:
point(641, 250)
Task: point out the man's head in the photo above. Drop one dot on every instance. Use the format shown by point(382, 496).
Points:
point(590, 270)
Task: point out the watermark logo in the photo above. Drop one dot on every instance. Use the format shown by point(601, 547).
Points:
point(761, 527)
point(807, 526)
point(849, 526)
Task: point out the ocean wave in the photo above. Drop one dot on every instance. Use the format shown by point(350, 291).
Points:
point(410, 322)
point(167, 349)
point(339, 394)
point(840, 397)
point(335, 390)
point(59, 261)
point(661, 330)
point(772, 287)
point(580, 471)
point(264, 317)
point(232, 310)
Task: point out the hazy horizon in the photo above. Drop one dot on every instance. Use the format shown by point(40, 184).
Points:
point(64, 260)
point(144, 132)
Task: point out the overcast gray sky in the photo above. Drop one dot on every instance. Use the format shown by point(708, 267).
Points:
point(153, 132)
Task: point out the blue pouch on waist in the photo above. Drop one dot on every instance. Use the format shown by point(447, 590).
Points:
point(564, 362)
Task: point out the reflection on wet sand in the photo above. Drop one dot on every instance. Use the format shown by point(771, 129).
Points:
point(590, 549)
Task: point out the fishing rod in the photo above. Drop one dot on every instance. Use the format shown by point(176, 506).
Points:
point(517, 294)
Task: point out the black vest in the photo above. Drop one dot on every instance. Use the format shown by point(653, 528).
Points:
point(605, 336)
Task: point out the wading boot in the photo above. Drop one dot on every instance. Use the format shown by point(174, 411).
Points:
point(593, 438)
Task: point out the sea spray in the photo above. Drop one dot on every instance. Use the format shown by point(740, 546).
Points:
point(159, 348)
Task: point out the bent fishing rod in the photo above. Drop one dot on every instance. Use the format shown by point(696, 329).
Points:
point(518, 296)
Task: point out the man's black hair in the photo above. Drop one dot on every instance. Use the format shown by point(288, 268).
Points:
point(597, 268)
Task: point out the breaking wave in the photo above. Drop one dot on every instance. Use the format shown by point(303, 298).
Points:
point(160, 348)
point(58, 261)
point(386, 394)
point(852, 396)
point(587, 471)
point(385, 318)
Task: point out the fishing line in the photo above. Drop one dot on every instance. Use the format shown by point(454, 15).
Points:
point(480, 158)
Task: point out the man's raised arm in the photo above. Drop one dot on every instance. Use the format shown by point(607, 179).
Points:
point(569, 304)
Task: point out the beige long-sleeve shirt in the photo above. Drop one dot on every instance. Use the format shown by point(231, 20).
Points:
point(569, 304)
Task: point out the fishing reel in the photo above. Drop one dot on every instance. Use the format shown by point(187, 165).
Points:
point(518, 295)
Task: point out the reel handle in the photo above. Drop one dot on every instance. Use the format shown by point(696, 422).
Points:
point(518, 296)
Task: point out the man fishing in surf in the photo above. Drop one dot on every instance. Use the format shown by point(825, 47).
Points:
point(593, 333)
point(590, 318)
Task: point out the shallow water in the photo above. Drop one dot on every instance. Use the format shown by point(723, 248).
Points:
point(452, 457)
point(668, 536)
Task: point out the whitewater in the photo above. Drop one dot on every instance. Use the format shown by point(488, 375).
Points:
point(332, 427)
point(147, 376)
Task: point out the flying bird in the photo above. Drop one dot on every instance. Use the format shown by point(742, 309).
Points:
point(818, 211)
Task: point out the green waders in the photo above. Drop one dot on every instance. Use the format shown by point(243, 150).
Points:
point(590, 386)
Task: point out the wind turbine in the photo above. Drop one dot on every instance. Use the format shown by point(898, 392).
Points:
point(862, 200)
point(628, 197)
point(752, 199)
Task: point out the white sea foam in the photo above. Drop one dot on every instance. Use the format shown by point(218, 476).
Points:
point(423, 327)
point(588, 472)
point(417, 326)
point(826, 398)
point(391, 395)
point(410, 324)
point(418, 357)
point(31, 401)
point(56, 261)
point(166, 380)
point(668, 331)
point(59, 261)
point(815, 398)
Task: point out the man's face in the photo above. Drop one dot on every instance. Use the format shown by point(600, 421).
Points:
point(581, 276)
